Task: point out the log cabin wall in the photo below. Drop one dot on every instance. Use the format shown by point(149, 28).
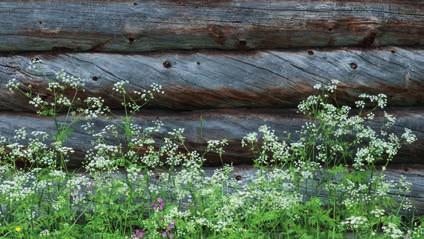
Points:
point(227, 67)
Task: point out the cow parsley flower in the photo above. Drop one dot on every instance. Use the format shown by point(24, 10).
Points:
point(360, 104)
point(355, 222)
point(13, 85)
point(37, 102)
point(94, 108)
point(380, 99)
point(70, 80)
point(119, 86)
point(408, 136)
point(149, 94)
point(249, 139)
point(318, 86)
point(217, 146)
point(20, 134)
point(392, 231)
point(53, 85)
point(378, 213)
point(391, 119)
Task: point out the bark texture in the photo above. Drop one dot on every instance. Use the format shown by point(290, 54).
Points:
point(149, 25)
point(213, 79)
point(201, 126)
point(413, 174)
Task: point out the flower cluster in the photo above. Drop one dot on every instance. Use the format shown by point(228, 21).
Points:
point(13, 85)
point(355, 222)
point(102, 157)
point(321, 182)
point(33, 148)
point(119, 86)
point(70, 80)
point(217, 146)
point(380, 99)
point(94, 108)
point(393, 231)
point(149, 94)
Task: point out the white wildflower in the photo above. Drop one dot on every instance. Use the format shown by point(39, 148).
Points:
point(355, 222)
point(13, 85)
point(119, 86)
point(408, 136)
point(392, 231)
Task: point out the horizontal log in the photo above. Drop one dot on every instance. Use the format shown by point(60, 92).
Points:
point(244, 174)
point(413, 174)
point(201, 126)
point(202, 80)
point(149, 25)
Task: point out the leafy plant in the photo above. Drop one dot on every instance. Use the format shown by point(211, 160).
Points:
point(325, 181)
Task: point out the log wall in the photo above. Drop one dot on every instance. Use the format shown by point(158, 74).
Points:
point(203, 125)
point(411, 173)
point(151, 25)
point(235, 64)
point(213, 79)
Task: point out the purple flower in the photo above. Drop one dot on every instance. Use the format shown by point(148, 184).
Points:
point(138, 234)
point(171, 226)
point(168, 233)
point(159, 204)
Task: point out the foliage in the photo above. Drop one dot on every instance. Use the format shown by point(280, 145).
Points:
point(323, 183)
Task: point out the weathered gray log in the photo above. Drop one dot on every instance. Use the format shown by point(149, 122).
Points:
point(148, 25)
point(413, 174)
point(244, 174)
point(201, 126)
point(203, 80)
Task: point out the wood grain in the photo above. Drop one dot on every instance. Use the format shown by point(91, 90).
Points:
point(231, 124)
point(151, 25)
point(413, 174)
point(214, 79)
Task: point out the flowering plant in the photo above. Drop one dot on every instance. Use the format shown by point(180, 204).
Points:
point(326, 181)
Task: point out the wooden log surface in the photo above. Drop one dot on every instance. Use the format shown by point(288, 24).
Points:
point(201, 126)
point(213, 79)
point(149, 25)
point(243, 174)
point(413, 174)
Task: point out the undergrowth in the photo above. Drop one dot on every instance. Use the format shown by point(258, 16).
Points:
point(325, 181)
